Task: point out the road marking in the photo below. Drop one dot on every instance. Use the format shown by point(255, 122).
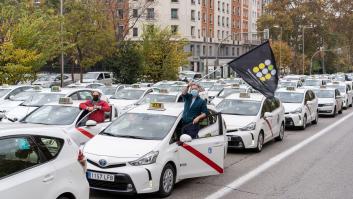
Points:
point(273, 161)
point(202, 157)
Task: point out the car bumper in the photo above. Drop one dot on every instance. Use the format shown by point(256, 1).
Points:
point(326, 110)
point(241, 140)
point(293, 120)
point(128, 179)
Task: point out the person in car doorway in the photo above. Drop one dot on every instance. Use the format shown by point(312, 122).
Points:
point(195, 110)
point(97, 106)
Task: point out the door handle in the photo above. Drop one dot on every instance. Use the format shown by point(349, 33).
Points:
point(48, 178)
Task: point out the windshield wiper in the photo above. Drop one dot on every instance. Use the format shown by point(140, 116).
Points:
point(130, 136)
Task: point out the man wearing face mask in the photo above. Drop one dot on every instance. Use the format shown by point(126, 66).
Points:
point(97, 106)
point(195, 109)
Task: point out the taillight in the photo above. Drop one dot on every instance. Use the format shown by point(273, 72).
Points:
point(82, 160)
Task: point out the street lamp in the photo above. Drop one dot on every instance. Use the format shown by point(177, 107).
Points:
point(280, 45)
point(62, 43)
point(303, 35)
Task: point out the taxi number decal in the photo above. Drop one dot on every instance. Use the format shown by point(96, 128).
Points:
point(203, 158)
point(85, 133)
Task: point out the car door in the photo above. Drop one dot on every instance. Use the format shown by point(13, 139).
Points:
point(339, 100)
point(204, 156)
point(267, 122)
point(313, 104)
point(25, 172)
point(307, 106)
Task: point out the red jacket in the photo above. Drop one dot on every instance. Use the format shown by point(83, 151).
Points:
point(97, 115)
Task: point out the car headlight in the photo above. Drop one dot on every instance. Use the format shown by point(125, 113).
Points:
point(249, 127)
point(149, 158)
point(298, 110)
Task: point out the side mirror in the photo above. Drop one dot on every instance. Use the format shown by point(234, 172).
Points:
point(185, 138)
point(91, 123)
point(12, 97)
point(268, 114)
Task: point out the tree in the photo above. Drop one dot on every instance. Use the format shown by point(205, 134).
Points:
point(89, 37)
point(283, 53)
point(163, 53)
point(126, 62)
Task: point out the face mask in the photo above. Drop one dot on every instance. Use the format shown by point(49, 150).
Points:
point(95, 98)
point(194, 93)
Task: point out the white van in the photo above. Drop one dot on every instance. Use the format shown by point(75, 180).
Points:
point(98, 77)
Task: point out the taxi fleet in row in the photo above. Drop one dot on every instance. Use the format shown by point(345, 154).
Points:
point(139, 148)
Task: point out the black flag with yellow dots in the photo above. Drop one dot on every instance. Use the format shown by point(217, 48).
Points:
point(258, 68)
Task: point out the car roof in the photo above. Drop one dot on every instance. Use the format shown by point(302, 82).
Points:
point(171, 109)
point(296, 90)
point(253, 97)
point(44, 131)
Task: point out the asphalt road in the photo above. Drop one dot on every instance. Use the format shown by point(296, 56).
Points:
point(310, 164)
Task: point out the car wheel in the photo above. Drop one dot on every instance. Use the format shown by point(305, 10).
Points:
point(260, 142)
point(346, 105)
point(304, 123)
point(335, 112)
point(167, 181)
point(351, 104)
point(281, 134)
point(316, 118)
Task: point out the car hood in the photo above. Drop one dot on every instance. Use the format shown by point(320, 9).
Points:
point(20, 112)
point(289, 107)
point(326, 100)
point(122, 103)
point(124, 148)
point(237, 121)
point(6, 105)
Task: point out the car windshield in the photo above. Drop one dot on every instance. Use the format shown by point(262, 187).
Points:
point(325, 93)
point(216, 87)
point(164, 86)
point(141, 126)
point(228, 91)
point(206, 84)
point(309, 82)
point(239, 107)
point(286, 84)
point(175, 88)
point(128, 94)
point(90, 76)
point(53, 115)
point(157, 98)
point(40, 99)
point(108, 90)
point(342, 89)
point(290, 97)
point(4, 91)
point(23, 96)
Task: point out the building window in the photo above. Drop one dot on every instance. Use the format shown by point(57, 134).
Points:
point(219, 5)
point(211, 21)
point(135, 32)
point(198, 50)
point(192, 30)
point(223, 7)
point(192, 15)
point(210, 50)
point(150, 13)
point(219, 20)
point(237, 52)
point(174, 13)
point(218, 34)
point(121, 13)
point(192, 49)
point(193, 2)
point(135, 13)
point(199, 33)
point(198, 15)
point(226, 51)
point(222, 21)
point(204, 50)
point(174, 29)
point(233, 51)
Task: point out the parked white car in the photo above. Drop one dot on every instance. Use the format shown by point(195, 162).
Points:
point(330, 101)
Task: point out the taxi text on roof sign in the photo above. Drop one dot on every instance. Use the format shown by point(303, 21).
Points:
point(55, 89)
point(290, 88)
point(156, 106)
point(244, 95)
point(65, 100)
point(235, 86)
point(5, 85)
point(163, 91)
point(135, 86)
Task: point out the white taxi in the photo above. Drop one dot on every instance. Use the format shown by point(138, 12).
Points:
point(252, 120)
point(228, 90)
point(143, 151)
point(301, 106)
point(65, 115)
point(330, 101)
point(127, 97)
point(41, 163)
point(345, 91)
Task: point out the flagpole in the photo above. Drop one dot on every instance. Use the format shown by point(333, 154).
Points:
point(209, 74)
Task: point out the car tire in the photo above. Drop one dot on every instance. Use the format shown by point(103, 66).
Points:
point(167, 181)
point(345, 108)
point(280, 137)
point(316, 118)
point(260, 142)
point(335, 112)
point(305, 120)
point(351, 104)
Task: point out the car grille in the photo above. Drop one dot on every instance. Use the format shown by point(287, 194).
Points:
point(289, 121)
point(236, 142)
point(120, 184)
point(106, 167)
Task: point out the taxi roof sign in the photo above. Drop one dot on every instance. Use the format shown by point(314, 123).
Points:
point(163, 91)
point(157, 106)
point(55, 89)
point(244, 95)
point(135, 86)
point(335, 82)
point(5, 85)
point(37, 88)
point(65, 100)
point(322, 86)
point(290, 88)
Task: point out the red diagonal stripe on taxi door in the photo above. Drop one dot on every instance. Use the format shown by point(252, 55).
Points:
point(203, 158)
point(269, 125)
point(85, 133)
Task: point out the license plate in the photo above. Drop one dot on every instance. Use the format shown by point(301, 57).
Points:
point(101, 176)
